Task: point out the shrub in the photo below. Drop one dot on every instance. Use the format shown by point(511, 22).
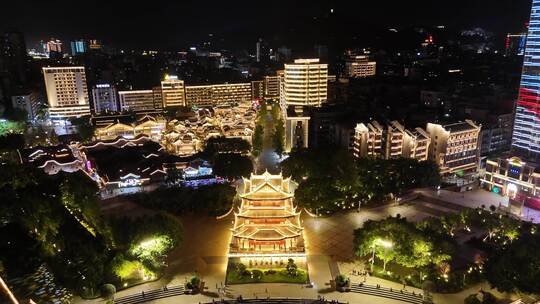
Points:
point(342, 280)
point(257, 274)
point(108, 291)
point(472, 299)
point(270, 271)
point(488, 298)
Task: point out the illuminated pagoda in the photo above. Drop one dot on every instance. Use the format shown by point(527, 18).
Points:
point(267, 223)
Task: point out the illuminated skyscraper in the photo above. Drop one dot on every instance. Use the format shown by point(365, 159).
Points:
point(173, 92)
point(526, 136)
point(306, 83)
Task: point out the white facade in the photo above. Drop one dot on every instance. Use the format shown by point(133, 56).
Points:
point(67, 92)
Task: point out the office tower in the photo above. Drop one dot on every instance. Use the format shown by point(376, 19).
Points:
point(78, 47)
point(137, 101)
point(67, 92)
point(104, 97)
point(28, 102)
point(172, 90)
point(515, 44)
point(305, 83)
point(526, 136)
point(261, 50)
point(455, 147)
point(359, 66)
point(14, 57)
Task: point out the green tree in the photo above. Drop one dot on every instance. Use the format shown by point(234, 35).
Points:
point(515, 267)
point(85, 128)
point(232, 165)
point(291, 268)
point(258, 140)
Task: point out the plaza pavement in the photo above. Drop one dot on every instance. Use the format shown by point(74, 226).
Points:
point(329, 245)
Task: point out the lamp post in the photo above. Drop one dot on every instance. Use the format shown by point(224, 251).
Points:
point(385, 244)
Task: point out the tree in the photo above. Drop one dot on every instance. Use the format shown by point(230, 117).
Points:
point(85, 128)
point(342, 280)
point(278, 137)
point(232, 165)
point(472, 299)
point(291, 268)
point(513, 267)
point(258, 140)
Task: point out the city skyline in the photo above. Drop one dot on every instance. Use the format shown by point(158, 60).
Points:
point(169, 26)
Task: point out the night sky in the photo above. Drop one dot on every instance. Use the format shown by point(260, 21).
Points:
point(176, 24)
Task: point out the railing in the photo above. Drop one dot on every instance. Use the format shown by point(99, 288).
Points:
point(150, 295)
point(394, 294)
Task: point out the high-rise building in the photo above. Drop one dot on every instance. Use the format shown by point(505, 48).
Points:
point(104, 97)
point(27, 102)
point(515, 44)
point(296, 128)
point(261, 50)
point(360, 66)
point(455, 147)
point(305, 83)
point(173, 92)
point(526, 136)
point(53, 46)
point(67, 93)
point(78, 47)
point(257, 89)
point(271, 87)
point(137, 101)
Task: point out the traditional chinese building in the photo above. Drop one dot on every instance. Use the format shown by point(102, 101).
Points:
point(267, 223)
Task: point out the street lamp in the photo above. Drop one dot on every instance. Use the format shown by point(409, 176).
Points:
point(385, 244)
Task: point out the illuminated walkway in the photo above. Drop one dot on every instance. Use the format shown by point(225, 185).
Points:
point(400, 295)
point(151, 295)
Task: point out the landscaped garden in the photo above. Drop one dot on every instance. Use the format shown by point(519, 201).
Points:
point(238, 273)
point(451, 253)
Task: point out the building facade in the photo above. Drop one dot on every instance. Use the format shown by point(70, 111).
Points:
point(455, 147)
point(271, 87)
point(368, 140)
point(360, 66)
point(104, 97)
point(526, 136)
point(257, 89)
point(305, 83)
point(218, 94)
point(67, 93)
point(267, 224)
point(27, 102)
point(173, 92)
point(514, 178)
point(137, 101)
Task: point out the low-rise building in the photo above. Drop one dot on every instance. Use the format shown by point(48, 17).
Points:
point(368, 140)
point(218, 94)
point(150, 126)
point(296, 128)
point(53, 159)
point(514, 178)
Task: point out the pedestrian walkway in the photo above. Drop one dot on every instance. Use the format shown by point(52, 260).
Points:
point(276, 301)
point(389, 293)
point(150, 295)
